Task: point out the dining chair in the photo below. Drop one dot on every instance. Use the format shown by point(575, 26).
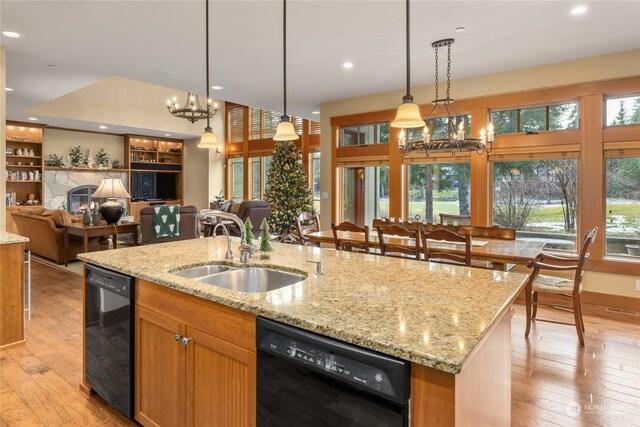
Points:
point(351, 245)
point(389, 248)
point(567, 288)
point(444, 255)
point(307, 223)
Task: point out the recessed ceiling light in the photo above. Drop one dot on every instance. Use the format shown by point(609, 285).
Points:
point(13, 34)
point(217, 87)
point(167, 134)
point(459, 29)
point(33, 119)
point(578, 10)
point(51, 66)
point(315, 112)
point(102, 127)
point(8, 89)
point(348, 65)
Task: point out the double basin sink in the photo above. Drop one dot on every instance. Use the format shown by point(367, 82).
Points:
point(251, 279)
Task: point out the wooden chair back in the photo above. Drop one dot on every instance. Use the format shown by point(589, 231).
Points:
point(471, 230)
point(389, 249)
point(446, 236)
point(583, 257)
point(307, 223)
point(350, 245)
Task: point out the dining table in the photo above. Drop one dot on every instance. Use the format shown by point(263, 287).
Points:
point(500, 252)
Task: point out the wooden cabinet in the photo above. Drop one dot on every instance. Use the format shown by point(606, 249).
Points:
point(11, 295)
point(190, 368)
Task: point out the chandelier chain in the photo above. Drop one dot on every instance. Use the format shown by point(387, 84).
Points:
point(448, 71)
point(437, 97)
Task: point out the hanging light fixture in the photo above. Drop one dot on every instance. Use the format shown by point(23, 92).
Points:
point(456, 140)
point(208, 138)
point(408, 114)
point(285, 130)
point(192, 110)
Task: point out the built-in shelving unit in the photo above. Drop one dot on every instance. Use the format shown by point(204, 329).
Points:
point(24, 144)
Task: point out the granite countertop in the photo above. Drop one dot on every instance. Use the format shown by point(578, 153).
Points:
point(427, 313)
point(7, 238)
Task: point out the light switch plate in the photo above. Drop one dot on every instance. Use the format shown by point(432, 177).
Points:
point(325, 195)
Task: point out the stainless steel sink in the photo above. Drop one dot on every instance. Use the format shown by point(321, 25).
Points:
point(202, 271)
point(252, 280)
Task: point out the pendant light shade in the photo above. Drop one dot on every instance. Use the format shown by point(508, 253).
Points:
point(208, 139)
point(285, 130)
point(408, 114)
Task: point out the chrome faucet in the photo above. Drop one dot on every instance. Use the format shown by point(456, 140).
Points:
point(229, 254)
point(245, 249)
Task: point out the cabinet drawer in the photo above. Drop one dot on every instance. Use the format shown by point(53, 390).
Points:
point(228, 324)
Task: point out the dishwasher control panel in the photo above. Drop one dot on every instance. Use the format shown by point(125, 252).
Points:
point(329, 362)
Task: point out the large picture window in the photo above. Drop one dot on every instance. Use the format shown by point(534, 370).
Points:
point(539, 199)
point(365, 194)
point(623, 111)
point(237, 178)
point(256, 175)
point(623, 206)
point(315, 180)
point(438, 188)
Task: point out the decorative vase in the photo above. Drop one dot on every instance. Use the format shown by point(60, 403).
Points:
point(86, 217)
point(112, 210)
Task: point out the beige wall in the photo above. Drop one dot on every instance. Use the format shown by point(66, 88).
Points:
point(616, 65)
point(60, 142)
point(3, 131)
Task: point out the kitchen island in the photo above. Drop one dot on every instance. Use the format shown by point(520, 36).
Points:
point(452, 323)
point(12, 248)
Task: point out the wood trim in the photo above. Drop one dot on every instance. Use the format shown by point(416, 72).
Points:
point(396, 175)
point(614, 265)
point(12, 295)
point(363, 118)
point(364, 150)
point(479, 175)
point(235, 326)
point(334, 174)
point(621, 133)
point(12, 345)
point(543, 138)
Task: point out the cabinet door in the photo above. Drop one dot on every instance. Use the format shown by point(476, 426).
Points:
point(160, 369)
point(220, 381)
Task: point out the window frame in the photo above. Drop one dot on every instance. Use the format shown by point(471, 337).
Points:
point(547, 107)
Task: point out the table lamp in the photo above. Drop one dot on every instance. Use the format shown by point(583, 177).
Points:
point(112, 190)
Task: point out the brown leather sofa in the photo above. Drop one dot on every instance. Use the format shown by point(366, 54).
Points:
point(256, 210)
point(189, 226)
point(45, 230)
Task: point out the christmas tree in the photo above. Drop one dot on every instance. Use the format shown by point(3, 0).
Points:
point(249, 229)
point(265, 245)
point(288, 191)
point(102, 159)
point(76, 157)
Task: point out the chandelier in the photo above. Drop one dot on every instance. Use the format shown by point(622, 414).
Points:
point(192, 110)
point(456, 140)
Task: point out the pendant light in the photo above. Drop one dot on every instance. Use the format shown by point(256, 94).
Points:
point(208, 138)
point(408, 114)
point(285, 130)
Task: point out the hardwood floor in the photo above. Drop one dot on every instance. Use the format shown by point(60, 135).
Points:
point(555, 381)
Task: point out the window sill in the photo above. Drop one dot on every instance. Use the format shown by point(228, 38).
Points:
point(615, 265)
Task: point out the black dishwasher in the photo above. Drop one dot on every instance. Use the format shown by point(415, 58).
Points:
point(109, 327)
point(311, 380)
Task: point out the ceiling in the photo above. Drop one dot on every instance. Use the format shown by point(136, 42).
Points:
point(162, 42)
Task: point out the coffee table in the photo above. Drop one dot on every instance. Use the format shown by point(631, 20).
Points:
point(87, 231)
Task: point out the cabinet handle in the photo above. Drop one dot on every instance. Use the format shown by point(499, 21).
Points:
point(185, 340)
point(177, 337)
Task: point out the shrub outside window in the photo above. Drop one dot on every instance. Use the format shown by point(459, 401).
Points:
point(623, 206)
point(539, 199)
point(438, 188)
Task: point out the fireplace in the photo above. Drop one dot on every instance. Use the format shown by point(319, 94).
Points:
point(79, 198)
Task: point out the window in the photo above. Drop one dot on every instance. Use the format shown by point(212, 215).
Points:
point(539, 199)
point(623, 206)
point(365, 194)
point(438, 188)
point(256, 176)
point(235, 122)
point(315, 180)
point(550, 117)
point(266, 168)
point(262, 123)
point(237, 179)
point(364, 135)
point(623, 111)
point(314, 128)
